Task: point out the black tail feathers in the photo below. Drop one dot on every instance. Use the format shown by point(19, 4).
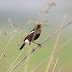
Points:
point(21, 46)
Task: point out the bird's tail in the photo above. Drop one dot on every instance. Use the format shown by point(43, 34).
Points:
point(22, 46)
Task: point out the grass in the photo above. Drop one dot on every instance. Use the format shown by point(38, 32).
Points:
point(12, 50)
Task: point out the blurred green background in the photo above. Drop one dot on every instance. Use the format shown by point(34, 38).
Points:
point(20, 12)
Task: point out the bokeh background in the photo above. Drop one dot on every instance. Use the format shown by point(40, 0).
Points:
point(23, 14)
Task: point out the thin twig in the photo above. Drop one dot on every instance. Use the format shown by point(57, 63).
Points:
point(42, 43)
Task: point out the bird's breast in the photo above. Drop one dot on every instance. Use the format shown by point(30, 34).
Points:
point(27, 41)
point(37, 35)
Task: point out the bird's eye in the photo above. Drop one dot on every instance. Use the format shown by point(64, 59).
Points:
point(38, 26)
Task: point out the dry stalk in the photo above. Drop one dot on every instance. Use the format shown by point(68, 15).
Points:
point(17, 58)
point(6, 46)
point(55, 46)
point(42, 43)
point(49, 56)
point(55, 64)
point(26, 66)
point(60, 70)
point(2, 29)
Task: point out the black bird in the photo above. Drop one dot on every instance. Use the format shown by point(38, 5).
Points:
point(33, 35)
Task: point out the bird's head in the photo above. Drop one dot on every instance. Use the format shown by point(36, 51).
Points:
point(38, 25)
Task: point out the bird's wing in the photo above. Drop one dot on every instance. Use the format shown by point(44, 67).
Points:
point(31, 32)
point(29, 36)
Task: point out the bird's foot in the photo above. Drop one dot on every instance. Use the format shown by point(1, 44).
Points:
point(39, 44)
point(33, 50)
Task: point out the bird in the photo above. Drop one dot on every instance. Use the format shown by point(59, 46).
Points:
point(33, 35)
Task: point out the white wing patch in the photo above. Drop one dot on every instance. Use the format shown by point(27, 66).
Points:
point(27, 41)
point(31, 32)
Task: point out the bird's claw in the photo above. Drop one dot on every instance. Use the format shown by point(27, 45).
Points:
point(33, 50)
point(39, 44)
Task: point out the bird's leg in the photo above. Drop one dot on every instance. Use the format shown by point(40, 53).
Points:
point(37, 43)
point(32, 48)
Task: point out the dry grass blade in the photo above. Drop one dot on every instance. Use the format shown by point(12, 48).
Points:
point(28, 59)
point(26, 66)
point(63, 45)
point(40, 64)
point(11, 23)
point(22, 33)
point(1, 43)
point(60, 70)
point(16, 42)
point(2, 29)
point(55, 64)
point(6, 47)
point(49, 56)
point(46, 9)
point(55, 46)
point(16, 59)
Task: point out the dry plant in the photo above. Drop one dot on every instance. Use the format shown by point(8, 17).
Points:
point(2, 29)
point(6, 47)
point(49, 56)
point(47, 7)
point(1, 43)
point(37, 46)
point(55, 64)
point(45, 11)
point(60, 70)
point(42, 43)
point(11, 24)
point(3, 52)
point(51, 35)
point(29, 22)
point(17, 58)
point(26, 66)
point(55, 46)
point(21, 32)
